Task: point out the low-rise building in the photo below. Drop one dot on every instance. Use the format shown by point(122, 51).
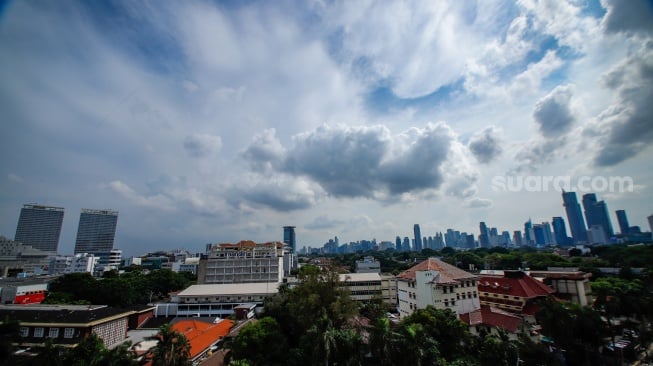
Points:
point(439, 284)
point(67, 325)
point(488, 320)
point(83, 262)
point(514, 291)
point(31, 290)
point(368, 265)
point(202, 335)
point(572, 286)
point(243, 262)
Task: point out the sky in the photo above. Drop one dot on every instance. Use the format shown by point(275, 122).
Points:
point(208, 121)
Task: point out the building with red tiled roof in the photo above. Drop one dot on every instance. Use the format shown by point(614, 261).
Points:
point(515, 291)
point(488, 319)
point(439, 284)
point(201, 335)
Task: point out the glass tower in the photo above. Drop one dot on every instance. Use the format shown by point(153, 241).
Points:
point(96, 231)
point(289, 237)
point(596, 213)
point(418, 238)
point(624, 227)
point(575, 217)
point(40, 226)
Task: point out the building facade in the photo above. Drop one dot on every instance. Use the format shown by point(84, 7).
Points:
point(243, 262)
point(40, 227)
point(513, 291)
point(439, 284)
point(96, 231)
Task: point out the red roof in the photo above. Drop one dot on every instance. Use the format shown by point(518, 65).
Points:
point(493, 317)
point(202, 335)
point(514, 284)
point(448, 273)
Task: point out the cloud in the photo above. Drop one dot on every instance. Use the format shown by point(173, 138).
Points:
point(280, 192)
point(627, 16)
point(158, 201)
point(486, 145)
point(324, 222)
point(478, 202)
point(15, 178)
point(265, 151)
point(625, 126)
point(201, 145)
point(553, 113)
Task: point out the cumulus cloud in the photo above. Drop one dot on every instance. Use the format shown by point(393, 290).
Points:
point(553, 113)
point(201, 145)
point(625, 127)
point(486, 145)
point(280, 193)
point(627, 16)
point(478, 202)
point(264, 152)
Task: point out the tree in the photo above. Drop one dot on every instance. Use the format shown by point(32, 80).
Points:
point(260, 343)
point(172, 348)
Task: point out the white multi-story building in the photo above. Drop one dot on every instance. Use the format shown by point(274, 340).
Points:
point(60, 264)
point(367, 287)
point(434, 282)
point(243, 262)
point(83, 262)
point(189, 264)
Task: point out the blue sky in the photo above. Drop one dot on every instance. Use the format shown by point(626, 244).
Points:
point(219, 121)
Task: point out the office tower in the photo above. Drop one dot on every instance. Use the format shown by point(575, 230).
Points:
point(289, 237)
point(560, 231)
point(406, 246)
point(398, 244)
point(40, 227)
point(529, 235)
point(483, 237)
point(516, 238)
point(596, 213)
point(505, 238)
point(575, 217)
point(623, 221)
point(469, 241)
point(538, 233)
point(596, 235)
point(96, 231)
point(418, 238)
point(650, 222)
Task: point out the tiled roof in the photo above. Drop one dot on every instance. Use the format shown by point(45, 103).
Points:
point(513, 284)
point(448, 273)
point(493, 317)
point(202, 335)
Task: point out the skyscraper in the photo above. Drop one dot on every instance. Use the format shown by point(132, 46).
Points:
point(289, 237)
point(40, 227)
point(596, 213)
point(418, 238)
point(650, 222)
point(560, 231)
point(575, 217)
point(529, 235)
point(483, 237)
point(398, 244)
point(96, 231)
point(623, 222)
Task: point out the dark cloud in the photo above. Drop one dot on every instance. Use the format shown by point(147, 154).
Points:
point(627, 123)
point(265, 151)
point(200, 145)
point(280, 194)
point(628, 16)
point(536, 153)
point(553, 112)
point(486, 145)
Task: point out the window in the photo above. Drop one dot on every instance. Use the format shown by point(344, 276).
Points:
point(68, 332)
point(38, 332)
point(24, 331)
point(54, 333)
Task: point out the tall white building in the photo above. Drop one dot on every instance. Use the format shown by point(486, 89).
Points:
point(243, 262)
point(83, 262)
point(434, 282)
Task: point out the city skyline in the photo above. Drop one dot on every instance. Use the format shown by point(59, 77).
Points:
point(210, 121)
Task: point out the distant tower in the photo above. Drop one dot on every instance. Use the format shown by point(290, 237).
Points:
point(483, 237)
point(398, 243)
point(529, 234)
point(596, 213)
point(650, 222)
point(289, 237)
point(623, 222)
point(560, 231)
point(418, 238)
point(575, 217)
point(40, 226)
point(96, 231)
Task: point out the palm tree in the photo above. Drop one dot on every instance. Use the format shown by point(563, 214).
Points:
point(172, 349)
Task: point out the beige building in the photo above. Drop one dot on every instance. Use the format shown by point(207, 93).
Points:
point(573, 286)
point(366, 287)
point(243, 262)
point(434, 282)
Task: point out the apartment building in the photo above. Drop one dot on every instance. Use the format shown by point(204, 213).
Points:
point(242, 262)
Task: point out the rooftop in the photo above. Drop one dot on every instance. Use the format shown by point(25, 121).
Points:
point(230, 289)
point(81, 315)
point(359, 277)
point(493, 317)
point(513, 283)
point(448, 273)
point(202, 335)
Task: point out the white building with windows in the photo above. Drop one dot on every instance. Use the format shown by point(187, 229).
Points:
point(434, 282)
point(83, 262)
point(243, 262)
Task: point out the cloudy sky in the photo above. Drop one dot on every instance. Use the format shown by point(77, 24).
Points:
point(220, 121)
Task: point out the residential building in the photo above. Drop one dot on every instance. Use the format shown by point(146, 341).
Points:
point(96, 231)
point(368, 265)
point(215, 300)
point(67, 325)
point(572, 286)
point(40, 227)
point(434, 282)
point(243, 262)
point(202, 335)
point(575, 217)
point(513, 291)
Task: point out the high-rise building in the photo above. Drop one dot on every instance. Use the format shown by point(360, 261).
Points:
point(529, 234)
point(406, 246)
point(418, 238)
point(575, 217)
point(40, 227)
point(596, 213)
point(289, 237)
point(560, 231)
point(483, 237)
point(623, 221)
point(398, 244)
point(517, 238)
point(650, 222)
point(96, 231)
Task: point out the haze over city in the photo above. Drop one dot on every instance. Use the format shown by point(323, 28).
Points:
point(204, 122)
